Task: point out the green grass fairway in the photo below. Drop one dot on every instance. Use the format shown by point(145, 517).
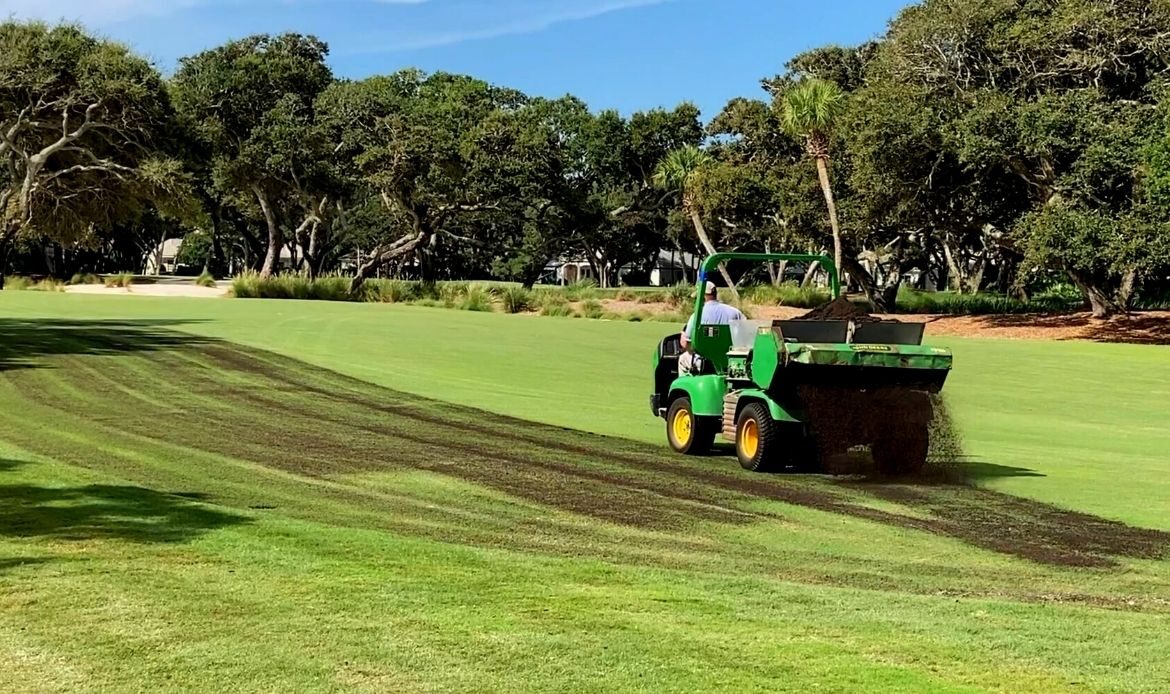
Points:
point(223, 495)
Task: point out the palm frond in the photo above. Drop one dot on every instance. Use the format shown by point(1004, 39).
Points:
point(678, 168)
point(812, 107)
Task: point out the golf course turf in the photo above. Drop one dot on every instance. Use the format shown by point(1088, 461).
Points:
point(287, 496)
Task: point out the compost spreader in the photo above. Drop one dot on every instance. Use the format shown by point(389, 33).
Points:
point(804, 394)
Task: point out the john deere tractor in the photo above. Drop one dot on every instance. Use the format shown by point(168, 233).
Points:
point(801, 394)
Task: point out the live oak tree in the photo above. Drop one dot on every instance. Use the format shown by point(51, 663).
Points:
point(83, 135)
point(411, 138)
point(252, 103)
point(629, 218)
point(1055, 95)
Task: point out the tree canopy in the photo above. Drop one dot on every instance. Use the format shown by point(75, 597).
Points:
point(978, 145)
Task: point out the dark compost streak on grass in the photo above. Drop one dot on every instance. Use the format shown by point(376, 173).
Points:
point(278, 412)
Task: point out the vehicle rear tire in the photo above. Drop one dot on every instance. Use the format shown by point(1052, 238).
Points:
point(687, 432)
point(757, 439)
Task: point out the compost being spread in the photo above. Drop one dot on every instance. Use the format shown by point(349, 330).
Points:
point(803, 393)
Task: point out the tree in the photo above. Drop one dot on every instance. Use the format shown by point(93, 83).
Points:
point(252, 103)
point(1056, 96)
point(761, 190)
point(414, 140)
point(679, 172)
point(627, 217)
point(811, 111)
point(83, 136)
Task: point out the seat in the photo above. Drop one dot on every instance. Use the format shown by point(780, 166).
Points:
point(667, 371)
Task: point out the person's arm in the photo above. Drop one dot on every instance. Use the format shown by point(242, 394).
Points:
point(685, 340)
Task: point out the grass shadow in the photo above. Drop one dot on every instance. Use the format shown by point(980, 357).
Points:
point(104, 511)
point(9, 563)
point(977, 471)
point(27, 343)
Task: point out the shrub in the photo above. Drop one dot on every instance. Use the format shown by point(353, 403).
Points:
point(950, 303)
point(389, 291)
point(581, 290)
point(452, 293)
point(787, 294)
point(249, 285)
point(122, 279)
point(626, 295)
point(668, 318)
point(330, 288)
point(592, 309)
point(653, 298)
point(205, 279)
point(516, 299)
point(246, 285)
point(24, 284)
point(680, 294)
point(291, 286)
point(85, 278)
point(477, 298)
point(1152, 302)
point(556, 305)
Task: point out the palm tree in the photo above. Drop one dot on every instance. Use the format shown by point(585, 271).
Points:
point(679, 172)
point(811, 109)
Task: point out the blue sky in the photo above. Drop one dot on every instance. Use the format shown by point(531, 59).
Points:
point(624, 54)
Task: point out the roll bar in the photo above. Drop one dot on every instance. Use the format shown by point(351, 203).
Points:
point(712, 262)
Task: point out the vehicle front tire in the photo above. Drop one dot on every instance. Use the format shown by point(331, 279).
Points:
point(687, 432)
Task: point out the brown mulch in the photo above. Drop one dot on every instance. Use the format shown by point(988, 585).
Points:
point(1144, 328)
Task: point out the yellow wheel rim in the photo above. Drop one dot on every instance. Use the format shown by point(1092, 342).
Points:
point(749, 438)
point(682, 425)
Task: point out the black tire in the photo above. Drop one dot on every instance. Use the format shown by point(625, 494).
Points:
point(758, 451)
point(702, 430)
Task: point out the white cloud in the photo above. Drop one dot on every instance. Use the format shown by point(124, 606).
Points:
point(104, 12)
point(94, 12)
point(538, 20)
point(167, 29)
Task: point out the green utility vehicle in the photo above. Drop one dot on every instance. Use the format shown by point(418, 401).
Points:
point(801, 394)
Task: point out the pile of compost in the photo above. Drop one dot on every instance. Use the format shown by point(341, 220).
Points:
point(840, 309)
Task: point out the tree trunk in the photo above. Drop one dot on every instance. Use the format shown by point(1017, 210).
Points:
point(313, 256)
point(1100, 302)
point(159, 254)
point(812, 270)
point(1125, 292)
point(5, 244)
point(883, 298)
point(706, 241)
point(386, 253)
point(275, 237)
point(831, 203)
point(954, 272)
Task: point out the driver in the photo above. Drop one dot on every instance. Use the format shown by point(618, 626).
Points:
point(715, 312)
